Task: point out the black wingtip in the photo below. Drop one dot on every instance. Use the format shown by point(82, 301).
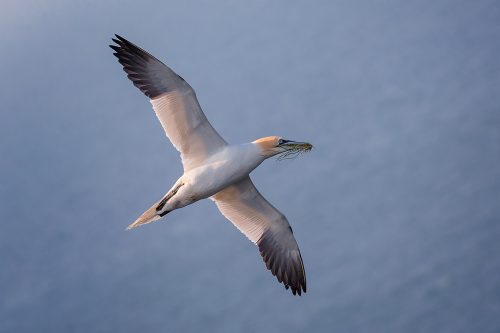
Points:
point(123, 41)
point(291, 274)
point(144, 70)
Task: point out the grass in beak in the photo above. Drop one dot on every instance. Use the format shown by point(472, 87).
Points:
point(293, 150)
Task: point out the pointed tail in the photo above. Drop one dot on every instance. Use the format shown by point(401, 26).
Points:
point(148, 216)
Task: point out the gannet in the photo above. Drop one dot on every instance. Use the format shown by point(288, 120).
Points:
point(213, 168)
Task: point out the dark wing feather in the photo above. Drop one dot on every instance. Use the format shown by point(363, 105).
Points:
point(146, 72)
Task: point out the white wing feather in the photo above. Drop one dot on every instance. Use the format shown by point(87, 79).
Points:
point(266, 227)
point(174, 102)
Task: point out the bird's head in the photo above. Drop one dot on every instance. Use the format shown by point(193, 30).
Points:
point(275, 145)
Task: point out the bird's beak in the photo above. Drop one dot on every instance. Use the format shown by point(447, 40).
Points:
point(291, 149)
point(296, 146)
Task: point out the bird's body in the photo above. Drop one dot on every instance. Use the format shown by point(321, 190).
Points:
point(213, 168)
point(225, 167)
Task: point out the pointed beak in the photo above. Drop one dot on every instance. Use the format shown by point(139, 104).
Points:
point(291, 149)
point(289, 145)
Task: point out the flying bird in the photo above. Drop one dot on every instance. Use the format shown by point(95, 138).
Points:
point(213, 168)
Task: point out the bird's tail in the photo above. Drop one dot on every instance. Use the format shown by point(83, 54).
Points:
point(148, 216)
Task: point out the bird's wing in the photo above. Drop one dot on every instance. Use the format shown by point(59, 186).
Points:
point(266, 227)
point(174, 102)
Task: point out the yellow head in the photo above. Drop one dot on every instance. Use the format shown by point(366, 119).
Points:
point(273, 145)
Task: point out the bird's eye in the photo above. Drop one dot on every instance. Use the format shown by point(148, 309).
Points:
point(281, 141)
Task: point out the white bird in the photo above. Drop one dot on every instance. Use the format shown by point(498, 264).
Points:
point(213, 168)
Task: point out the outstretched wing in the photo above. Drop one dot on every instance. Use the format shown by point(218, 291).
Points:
point(174, 102)
point(266, 227)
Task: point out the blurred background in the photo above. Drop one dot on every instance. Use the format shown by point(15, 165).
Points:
point(396, 211)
